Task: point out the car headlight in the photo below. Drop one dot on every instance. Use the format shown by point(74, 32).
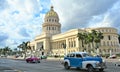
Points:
point(97, 64)
point(103, 60)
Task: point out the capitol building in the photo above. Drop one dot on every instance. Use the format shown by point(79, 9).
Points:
point(52, 42)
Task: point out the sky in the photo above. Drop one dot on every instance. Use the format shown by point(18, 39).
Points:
point(21, 20)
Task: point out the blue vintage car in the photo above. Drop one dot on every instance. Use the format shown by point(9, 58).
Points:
point(83, 60)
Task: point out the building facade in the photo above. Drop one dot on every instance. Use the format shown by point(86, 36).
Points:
point(52, 42)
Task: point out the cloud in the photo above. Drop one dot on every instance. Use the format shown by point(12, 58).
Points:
point(21, 20)
point(3, 38)
point(24, 32)
point(3, 4)
point(74, 14)
point(109, 19)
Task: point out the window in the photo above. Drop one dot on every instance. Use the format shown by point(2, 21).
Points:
point(68, 55)
point(49, 20)
point(49, 28)
point(74, 44)
point(72, 55)
point(78, 56)
point(69, 43)
point(52, 28)
point(104, 43)
point(108, 43)
point(111, 43)
point(86, 55)
point(109, 37)
point(52, 20)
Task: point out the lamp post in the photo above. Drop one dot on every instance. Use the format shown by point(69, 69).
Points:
point(64, 46)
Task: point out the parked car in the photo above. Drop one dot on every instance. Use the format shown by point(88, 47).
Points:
point(83, 60)
point(56, 56)
point(112, 56)
point(3, 56)
point(33, 60)
point(43, 57)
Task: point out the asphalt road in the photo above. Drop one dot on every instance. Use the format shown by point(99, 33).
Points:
point(10, 65)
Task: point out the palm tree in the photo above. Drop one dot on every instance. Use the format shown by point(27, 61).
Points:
point(81, 36)
point(20, 47)
point(97, 36)
point(1, 50)
point(24, 46)
point(89, 38)
point(6, 50)
point(89, 41)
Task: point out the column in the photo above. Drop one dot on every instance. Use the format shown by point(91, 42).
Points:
point(67, 43)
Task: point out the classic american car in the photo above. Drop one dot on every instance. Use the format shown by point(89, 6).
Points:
point(33, 59)
point(83, 60)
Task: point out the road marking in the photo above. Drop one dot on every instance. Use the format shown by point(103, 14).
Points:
point(14, 71)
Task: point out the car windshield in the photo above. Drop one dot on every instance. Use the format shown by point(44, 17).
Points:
point(86, 54)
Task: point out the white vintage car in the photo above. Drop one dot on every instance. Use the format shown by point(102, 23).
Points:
point(83, 60)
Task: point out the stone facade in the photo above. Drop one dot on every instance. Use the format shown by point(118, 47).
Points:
point(51, 41)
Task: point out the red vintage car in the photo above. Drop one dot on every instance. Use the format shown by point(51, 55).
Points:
point(33, 60)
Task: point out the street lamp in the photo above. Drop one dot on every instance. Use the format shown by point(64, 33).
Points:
point(64, 46)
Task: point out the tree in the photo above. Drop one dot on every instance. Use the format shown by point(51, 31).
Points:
point(24, 46)
point(89, 41)
point(81, 36)
point(89, 38)
point(1, 51)
point(6, 50)
point(97, 36)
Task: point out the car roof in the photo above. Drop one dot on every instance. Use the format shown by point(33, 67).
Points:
point(78, 52)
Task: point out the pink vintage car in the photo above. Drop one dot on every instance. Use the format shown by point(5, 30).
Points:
point(33, 60)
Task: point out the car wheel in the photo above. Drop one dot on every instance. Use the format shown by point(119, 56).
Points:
point(66, 66)
point(78, 68)
point(34, 61)
point(101, 70)
point(38, 61)
point(27, 61)
point(90, 68)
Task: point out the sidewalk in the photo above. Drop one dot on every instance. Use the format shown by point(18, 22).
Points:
point(53, 58)
point(112, 60)
point(19, 58)
point(48, 58)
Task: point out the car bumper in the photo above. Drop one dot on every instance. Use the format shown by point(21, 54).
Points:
point(101, 65)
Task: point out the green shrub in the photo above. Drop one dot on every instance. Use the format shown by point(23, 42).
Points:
point(118, 55)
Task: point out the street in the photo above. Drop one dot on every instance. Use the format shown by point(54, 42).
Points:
point(11, 65)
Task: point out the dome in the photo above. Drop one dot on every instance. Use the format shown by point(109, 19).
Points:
point(51, 13)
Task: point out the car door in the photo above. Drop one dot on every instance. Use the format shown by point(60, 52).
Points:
point(72, 59)
point(78, 60)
